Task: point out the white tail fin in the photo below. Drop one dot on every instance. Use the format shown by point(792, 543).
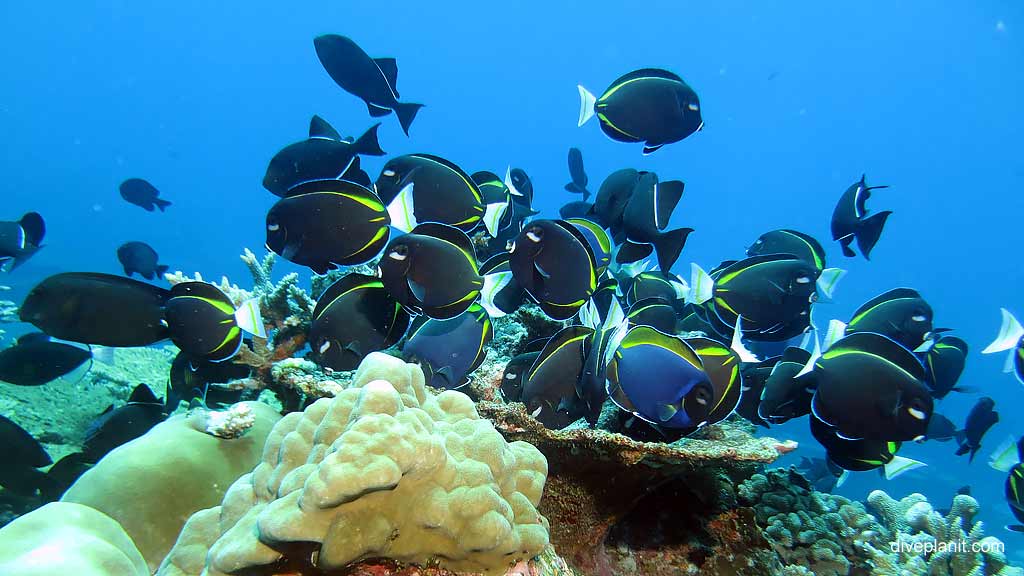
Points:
point(815, 354)
point(589, 315)
point(587, 101)
point(1005, 455)
point(737, 343)
point(842, 478)
point(701, 285)
point(510, 184)
point(1009, 334)
point(828, 280)
point(616, 316)
point(493, 283)
point(681, 287)
point(898, 465)
point(835, 332)
point(103, 354)
point(401, 209)
point(249, 318)
point(493, 215)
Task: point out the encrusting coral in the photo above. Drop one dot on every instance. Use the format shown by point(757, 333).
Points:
point(384, 469)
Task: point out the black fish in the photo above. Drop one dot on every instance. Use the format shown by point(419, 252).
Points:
point(784, 396)
point(850, 220)
point(62, 475)
point(755, 374)
point(20, 240)
point(205, 324)
point(425, 188)
point(901, 314)
point(323, 156)
point(612, 197)
point(577, 209)
point(117, 426)
point(722, 365)
point(521, 185)
point(139, 258)
point(432, 270)
point(654, 284)
point(549, 390)
point(598, 241)
point(801, 245)
point(868, 386)
point(1014, 489)
point(656, 313)
point(981, 417)
point(944, 362)
point(449, 350)
point(861, 455)
point(647, 214)
point(22, 456)
point(143, 194)
point(328, 223)
point(578, 184)
point(101, 309)
point(353, 317)
point(553, 262)
point(507, 297)
point(514, 376)
point(191, 378)
point(35, 360)
point(940, 428)
point(650, 105)
point(373, 80)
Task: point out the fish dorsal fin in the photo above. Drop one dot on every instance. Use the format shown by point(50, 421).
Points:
point(203, 290)
point(142, 394)
point(389, 68)
point(349, 283)
point(894, 294)
point(646, 73)
point(631, 252)
point(883, 347)
point(449, 234)
point(320, 128)
point(796, 355)
point(32, 337)
point(1010, 332)
point(666, 197)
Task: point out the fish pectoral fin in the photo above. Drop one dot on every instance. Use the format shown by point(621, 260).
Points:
point(416, 289)
point(651, 149)
point(666, 412)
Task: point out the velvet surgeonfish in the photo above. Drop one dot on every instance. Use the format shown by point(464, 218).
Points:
point(863, 454)
point(35, 360)
point(432, 271)
point(328, 223)
point(372, 80)
point(20, 240)
point(944, 362)
point(803, 246)
point(901, 314)
point(869, 386)
point(116, 426)
point(1010, 337)
point(449, 350)
point(722, 366)
point(23, 456)
point(98, 309)
point(353, 317)
point(850, 220)
point(650, 105)
point(553, 262)
point(205, 324)
point(322, 156)
point(784, 396)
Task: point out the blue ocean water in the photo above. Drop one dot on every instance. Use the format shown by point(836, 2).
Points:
point(798, 100)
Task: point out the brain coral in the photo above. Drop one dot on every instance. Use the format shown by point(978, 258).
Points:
point(384, 469)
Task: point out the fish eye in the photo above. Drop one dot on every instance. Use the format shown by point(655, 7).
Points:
point(693, 107)
point(388, 173)
point(400, 252)
point(916, 413)
point(535, 233)
point(803, 280)
point(325, 346)
point(510, 376)
point(918, 317)
point(273, 227)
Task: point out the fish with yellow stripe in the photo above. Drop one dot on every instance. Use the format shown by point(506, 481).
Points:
point(205, 324)
point(649, 105)
point(1009, 457)
point(803, 246)
point(353, 317)
point(449, 350)
point(324, 224)
point(863, 454)
point(553, 262)
point(422, 188)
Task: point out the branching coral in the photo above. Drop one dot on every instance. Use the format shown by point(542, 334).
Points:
point(385, 469)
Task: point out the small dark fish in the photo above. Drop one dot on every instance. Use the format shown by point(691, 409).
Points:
point(205, 324)
point(328, 223)
point(323, 156)
point(514, 376)
point(647, 214)
point(191, 378)
point(139, 258)
point(861, 455)
point(62, 475)
point(550, 387)
point(432, 270)
point(424, 188)
point(100, 309)
point(553, 262)
point(784, 396)
point(449, 350)
point(664, 286)
point(869, 386)
point(143, 194)
point(981, 417)
point(372, 80)
point(901, 314)
point(578, 183)
point(650, 105)
point(20, 240)
point(822, 473)
point(35, 360)
point(117, 426)
point(755, 374)
point(940, 428)
point(353, 317)
point(660, 379)
point(944, 362)
point(612, 197)
point(850, 220)
point(23, 455)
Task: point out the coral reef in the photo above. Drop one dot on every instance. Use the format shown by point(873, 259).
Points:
point(231, 423)
point(620, 506)
point(152, 484)
point(63, 538)
point(423, 477)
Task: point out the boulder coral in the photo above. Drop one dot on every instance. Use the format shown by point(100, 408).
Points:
point(384, 469)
